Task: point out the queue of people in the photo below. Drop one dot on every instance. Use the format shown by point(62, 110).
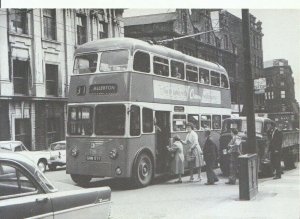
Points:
point(197, 158)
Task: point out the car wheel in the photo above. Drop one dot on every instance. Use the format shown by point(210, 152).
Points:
point(289, 160)
point(52, 167)
point(224, 166)
point(143, 170)
point(81, 179)
point(42, 165)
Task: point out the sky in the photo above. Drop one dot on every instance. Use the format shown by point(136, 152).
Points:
point(281, 29)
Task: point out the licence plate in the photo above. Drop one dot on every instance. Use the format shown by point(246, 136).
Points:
point(93, 158)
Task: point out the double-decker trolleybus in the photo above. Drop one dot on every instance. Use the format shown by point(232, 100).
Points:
point(127, 98)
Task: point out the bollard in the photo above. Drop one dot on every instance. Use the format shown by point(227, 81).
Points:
point(248, 177)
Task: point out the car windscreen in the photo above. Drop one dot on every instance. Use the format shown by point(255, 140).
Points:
point(58, 146)
point(86, 63)
point(240, 125)
point(110, 119)
point(230, 124)
point(80, 120)
point(6, 146)
point(114, 61)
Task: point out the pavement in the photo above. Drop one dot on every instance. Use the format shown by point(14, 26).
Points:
point(275, 199)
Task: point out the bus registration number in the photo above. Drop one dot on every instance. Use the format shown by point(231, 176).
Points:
point(93, 158)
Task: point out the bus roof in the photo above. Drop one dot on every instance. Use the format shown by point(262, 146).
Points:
point(135, 44)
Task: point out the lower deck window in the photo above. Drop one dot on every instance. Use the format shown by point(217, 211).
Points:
point(179, 122)
point(205, 121)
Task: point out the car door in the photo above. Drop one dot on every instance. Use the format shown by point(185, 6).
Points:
point(84, 203)
point(20, 195)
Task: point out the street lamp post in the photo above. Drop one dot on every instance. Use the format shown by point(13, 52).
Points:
point(248, 163)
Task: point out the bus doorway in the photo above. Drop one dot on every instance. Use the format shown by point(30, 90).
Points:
point(162, 134)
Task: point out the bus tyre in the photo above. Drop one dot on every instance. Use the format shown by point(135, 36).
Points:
point(81, 179)
point(142, 170)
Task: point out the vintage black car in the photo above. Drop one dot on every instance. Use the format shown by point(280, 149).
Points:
point(26, 193)
point(290, 144)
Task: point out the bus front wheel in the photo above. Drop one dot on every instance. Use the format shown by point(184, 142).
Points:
point(81, 179)
point(143, 170)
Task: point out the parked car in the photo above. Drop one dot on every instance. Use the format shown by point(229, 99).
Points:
point(40, 158)
point(57, 155)
point(26, 193)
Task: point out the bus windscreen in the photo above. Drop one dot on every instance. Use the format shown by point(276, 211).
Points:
point(114, 60)
point(110, 120)
point(86, 63)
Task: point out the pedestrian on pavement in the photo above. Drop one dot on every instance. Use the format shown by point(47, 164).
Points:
point(210, 152)
point(275, 148)
point(233, 151)
point(194, 155)
point(177, 163)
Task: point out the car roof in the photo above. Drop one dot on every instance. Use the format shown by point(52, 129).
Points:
point(19, 159)
point(257, 119)
point(59, 142)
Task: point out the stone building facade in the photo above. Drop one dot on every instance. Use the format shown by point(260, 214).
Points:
point(37, 47)
point(280, 102)
point(211, 46)
point(232, 25)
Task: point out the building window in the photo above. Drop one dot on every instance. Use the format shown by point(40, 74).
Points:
point(283, 107)
point(20, 76)
point(272, 95)
point(282, 83)
point(281, 71)
point(49, 19)
point(51, 80)
point(226, 42)
point(81, 29)
point(18, 21)
point(52, 124)
point(23, 131)
point(282, 94)
point(103, 30)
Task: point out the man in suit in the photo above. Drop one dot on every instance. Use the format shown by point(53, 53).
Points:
point(275, 147)
point(210, 156)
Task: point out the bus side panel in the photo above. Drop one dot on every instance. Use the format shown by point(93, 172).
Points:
point(137, 144)
point(93, 158)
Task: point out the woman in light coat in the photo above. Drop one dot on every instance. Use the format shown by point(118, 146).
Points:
point(194, 151)
point(177, 163)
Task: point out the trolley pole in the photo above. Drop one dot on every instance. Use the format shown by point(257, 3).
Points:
point(249, 102)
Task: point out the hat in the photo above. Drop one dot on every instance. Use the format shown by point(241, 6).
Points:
point(176, 138)
point(190, 125)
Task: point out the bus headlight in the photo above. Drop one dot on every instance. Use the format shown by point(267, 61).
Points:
point(113, 154)
point(118, 171)
point(74, 151)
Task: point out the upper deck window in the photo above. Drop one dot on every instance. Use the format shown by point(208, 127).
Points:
point(215, 78)
point(141, 62)
point(160, 66)
point(86, 63)
point(224, 81)
point(191, 73)
point(204, 76)
point(114, 61)
point(177, 69)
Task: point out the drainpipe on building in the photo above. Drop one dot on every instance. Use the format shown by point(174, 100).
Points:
point(66, 54)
